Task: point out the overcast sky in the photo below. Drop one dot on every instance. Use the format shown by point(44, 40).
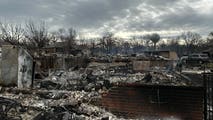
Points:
point(122, 17)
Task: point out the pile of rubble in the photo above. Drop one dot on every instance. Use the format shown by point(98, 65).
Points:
point(17, 104)
point(63, 95)
point(152, 78)
point(95, 79)
point(83, 79)
point(75, 94)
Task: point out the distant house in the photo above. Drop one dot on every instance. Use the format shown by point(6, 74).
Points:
point(156, 60)
point(58, 47)
point(58, 57)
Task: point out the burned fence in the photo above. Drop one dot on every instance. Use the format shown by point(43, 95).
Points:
point(208, 83)
point(54, 62)
point(155, 102)
point(147, 65)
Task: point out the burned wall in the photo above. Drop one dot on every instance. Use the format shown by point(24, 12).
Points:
point(67, 62)
point(53, 62)
point(9, 65)
point(25, 69)
point(155, 102)
point(45, 63)
point(16, 67)
point(146, 65)
point(76, 62)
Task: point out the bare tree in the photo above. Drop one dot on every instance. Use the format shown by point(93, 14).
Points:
point(136, 41)
point(126, 46)
point(68, 37)
point(107, 41)
point(83, 41)
point(191, 40)
point(210, 39)
point(92, 43)
point(72, 37)
point(37, 34)
point(102, 43)
point(146, 40)
point(53, 37)
point(13, 34)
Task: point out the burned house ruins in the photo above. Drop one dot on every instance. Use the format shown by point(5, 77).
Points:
point(114, 87)
point(106, 60)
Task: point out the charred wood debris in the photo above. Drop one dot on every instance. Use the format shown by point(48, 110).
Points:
point(75, 93)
